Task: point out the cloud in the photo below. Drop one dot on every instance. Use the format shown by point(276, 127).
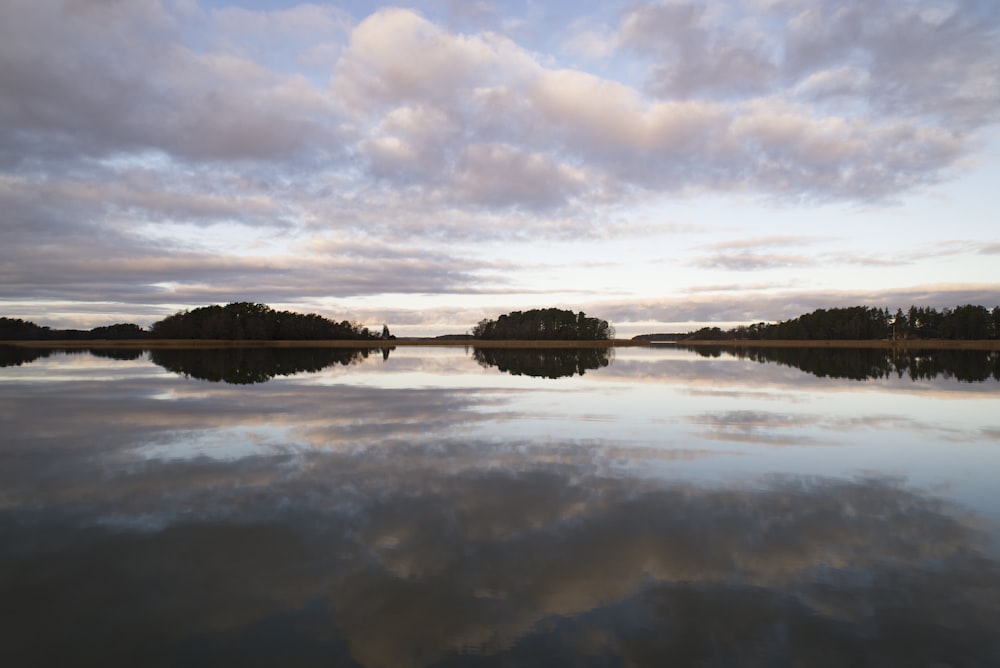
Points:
point(497, 174)
point(131, 131)
point(484, 89)
point(767, 242)
point(751, 254)
point(395, 55)
point(692, 56)
point(132, 86)
point(752, 261)
point(912, 59)
point(749, 303)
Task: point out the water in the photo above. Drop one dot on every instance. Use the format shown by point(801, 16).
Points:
point(444, 506)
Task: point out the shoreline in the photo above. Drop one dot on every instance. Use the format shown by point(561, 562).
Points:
point(910, 344)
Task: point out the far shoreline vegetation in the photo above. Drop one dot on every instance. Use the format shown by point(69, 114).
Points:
point(250, 324)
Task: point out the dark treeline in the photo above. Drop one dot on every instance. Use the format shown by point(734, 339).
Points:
point(246, 366)
point(970, 366)
point(15, 329)
point(238, 321)
point(865, 323)
point(255, 322)
point(543, 362)
point(550, 324)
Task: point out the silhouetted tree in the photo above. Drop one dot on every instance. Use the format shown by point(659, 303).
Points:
point(15, 329)
point(119, 331)
point(864, 323)
point(544, 325)
point(255, 322)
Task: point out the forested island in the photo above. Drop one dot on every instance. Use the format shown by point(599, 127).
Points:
point(551, 324)
point(238, 321)
point(861, 323)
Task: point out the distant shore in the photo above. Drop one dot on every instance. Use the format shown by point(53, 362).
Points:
point(910, 344)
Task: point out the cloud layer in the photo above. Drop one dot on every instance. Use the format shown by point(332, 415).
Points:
point(134, 136)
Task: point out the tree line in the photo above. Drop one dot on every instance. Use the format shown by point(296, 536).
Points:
point(15, 329)
point(237, 321)
point(549, 324)
point(865, 323)
point(257, 322)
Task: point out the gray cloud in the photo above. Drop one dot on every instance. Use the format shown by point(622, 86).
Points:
point(400, 74)
point(752, 261)
point(96, 79)
point(692, 57)
point(771, 305)
point(906, 60)
point(911, 60)
point(125, 126)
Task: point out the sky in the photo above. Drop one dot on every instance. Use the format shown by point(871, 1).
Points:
point(661, 165)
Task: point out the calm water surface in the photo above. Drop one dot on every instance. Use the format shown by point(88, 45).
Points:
point(444, 506)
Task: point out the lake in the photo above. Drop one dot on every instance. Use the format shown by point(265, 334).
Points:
point(427, 506)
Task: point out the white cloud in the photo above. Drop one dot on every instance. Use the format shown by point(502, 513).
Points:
point(498, 174)
point(159, 127)
point(397, 56)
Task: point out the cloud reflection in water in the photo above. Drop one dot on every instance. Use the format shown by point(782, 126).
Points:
point(382, 527)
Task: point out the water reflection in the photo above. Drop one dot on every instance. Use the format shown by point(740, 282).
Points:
point(969, 366)
point(245, 366)
point(544, 362)
point(18, 355)
point(403, 564)
point(401, 522)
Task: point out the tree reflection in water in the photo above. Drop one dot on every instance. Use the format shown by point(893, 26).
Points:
point(544, 362)
point(970, 366)
point(18, 355)
point(246, 366)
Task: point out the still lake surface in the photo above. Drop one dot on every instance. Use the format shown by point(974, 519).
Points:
point(447, 506)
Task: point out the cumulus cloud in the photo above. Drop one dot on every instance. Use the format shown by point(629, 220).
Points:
point(693, 56)
point(135, 123)
point(98, 79)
